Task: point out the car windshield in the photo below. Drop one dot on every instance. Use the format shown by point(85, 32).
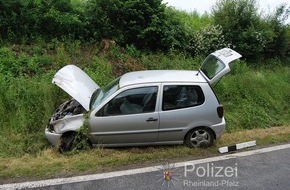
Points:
point(101, 95)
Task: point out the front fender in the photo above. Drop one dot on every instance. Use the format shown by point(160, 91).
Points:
point(68, 123)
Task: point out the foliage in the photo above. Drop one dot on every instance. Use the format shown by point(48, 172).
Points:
point(192, 20)
point(281, 40)
point(26, 20)
point(145, 24)
point(82, 141)
point(254, 100)
point(207, 40)
point(17, 63)
point(25, 103)
point(251, 34)
point(15, 19)
point(29, 98)
point(58, 18)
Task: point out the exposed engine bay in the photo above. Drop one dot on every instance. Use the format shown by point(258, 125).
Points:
point(68, 108)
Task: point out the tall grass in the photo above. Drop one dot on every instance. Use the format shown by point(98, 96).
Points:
point(26, 104)
point(256, 98)
point(253, 98)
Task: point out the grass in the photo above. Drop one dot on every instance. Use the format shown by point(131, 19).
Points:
point(254, 99)
point(50, 164)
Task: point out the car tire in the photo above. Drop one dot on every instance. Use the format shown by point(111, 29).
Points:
point(199, 138)
point(67, 141)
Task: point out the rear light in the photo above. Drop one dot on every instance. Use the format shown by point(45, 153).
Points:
point(220, 111)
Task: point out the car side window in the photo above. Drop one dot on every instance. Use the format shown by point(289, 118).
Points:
point(181, 96)
point(132, 101)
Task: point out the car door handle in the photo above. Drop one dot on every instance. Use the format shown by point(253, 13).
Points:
point(151, 119)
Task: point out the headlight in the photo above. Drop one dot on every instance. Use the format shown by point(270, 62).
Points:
point(58, 127)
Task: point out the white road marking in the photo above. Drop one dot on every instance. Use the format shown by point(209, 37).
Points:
point(61, 181)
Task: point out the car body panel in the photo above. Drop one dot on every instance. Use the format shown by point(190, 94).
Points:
point(124, 129)
point(52, 137)
point(152, 76)
point(138, 144)
point(70, 123)
point(76, 83)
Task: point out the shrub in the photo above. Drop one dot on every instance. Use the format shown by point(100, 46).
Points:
point(243, 26)
point(208, 39)
point(59, 19)
point(25, 20)
point(145, 24)
point(18, 63)
point(279, 46)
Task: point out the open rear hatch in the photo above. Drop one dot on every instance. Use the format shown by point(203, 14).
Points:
point(217, 64)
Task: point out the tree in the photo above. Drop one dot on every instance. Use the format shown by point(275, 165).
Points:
point(243, 26)
point(143, 23)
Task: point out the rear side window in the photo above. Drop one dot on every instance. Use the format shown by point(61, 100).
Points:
point(181, 96)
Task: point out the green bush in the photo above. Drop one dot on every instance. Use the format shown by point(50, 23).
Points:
point(145, 24)
point(253, 35)
point(16, 63)
point(26, 20)
point(193, 20)
point(208, 39)
point(281, 40)
point(59, 19)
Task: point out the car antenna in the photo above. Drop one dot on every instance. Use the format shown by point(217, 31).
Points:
point(198, 72)
point(199, 69)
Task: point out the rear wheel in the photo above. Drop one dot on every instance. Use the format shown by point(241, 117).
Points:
point(199, 137)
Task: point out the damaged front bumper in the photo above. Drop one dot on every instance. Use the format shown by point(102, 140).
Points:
point(55, 129)
point(52, 137)
point(67, 117)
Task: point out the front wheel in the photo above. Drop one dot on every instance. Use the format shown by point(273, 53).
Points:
point(67, 140)
point(199, 137)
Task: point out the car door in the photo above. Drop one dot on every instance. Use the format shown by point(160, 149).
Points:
point(180, 109)
point(130, 117)
point(217, 64)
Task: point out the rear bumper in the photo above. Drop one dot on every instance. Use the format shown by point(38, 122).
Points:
point(52, 138)
point(219, 128)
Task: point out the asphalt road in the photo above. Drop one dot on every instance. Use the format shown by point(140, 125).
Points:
point(267, 168)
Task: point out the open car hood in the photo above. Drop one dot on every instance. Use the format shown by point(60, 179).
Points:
point(76, 83)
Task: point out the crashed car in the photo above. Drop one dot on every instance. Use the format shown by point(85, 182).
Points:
point(150, 107)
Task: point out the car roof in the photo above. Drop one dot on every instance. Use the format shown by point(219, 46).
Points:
point(159, 76)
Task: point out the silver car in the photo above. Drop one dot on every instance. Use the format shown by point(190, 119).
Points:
point(144, 107)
